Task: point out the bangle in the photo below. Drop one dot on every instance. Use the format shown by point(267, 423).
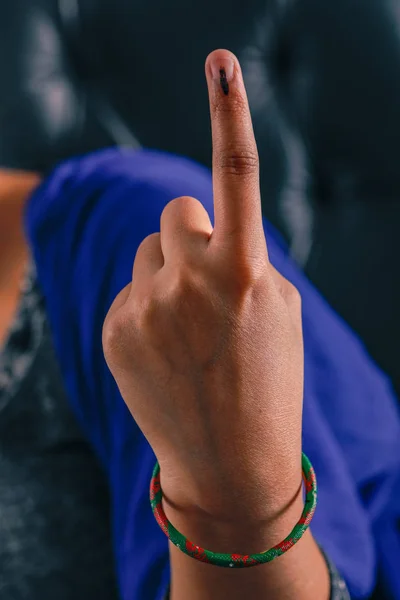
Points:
point(236, 560)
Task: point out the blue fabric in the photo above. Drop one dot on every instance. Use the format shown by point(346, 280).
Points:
point(85, 223)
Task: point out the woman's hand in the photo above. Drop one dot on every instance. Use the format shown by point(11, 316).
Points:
point(206, 344)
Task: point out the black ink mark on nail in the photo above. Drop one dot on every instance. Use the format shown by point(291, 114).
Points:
point(223, 81)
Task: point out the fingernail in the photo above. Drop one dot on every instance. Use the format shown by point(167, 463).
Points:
point(222, 72)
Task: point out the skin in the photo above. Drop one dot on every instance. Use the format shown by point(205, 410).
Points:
point(206, 347)
point(15, 188)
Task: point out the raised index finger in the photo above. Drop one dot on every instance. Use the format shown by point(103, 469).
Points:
point(237, 202)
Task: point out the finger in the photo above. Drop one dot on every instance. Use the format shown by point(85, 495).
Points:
point(185, 228)
point(236, 186)
point(149, 259)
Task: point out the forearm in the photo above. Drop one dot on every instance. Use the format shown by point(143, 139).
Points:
point(300, 573)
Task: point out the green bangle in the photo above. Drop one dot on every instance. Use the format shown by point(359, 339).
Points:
point(236, 560)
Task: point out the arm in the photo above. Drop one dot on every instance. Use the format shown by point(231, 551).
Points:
point(205, 320)
point(83, 262)
point(81, 265)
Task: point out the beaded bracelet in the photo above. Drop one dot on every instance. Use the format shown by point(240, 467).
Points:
point(236, 560)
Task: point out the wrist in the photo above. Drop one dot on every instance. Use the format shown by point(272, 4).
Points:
point(300, 572)
point(240, 497)
point(233, 534)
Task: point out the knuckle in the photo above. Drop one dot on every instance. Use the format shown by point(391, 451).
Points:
point(178, 206)
point(148, 315)
point(116, 336)
point(152, 238)
point(238, 160)
point(186, 291)
point(171, 210)
point(146, 243)
point(181, 284)
point(248, 274)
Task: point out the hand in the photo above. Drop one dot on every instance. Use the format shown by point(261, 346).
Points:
point(206, 345)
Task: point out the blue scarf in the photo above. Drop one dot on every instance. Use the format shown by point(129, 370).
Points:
point(84, 224)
